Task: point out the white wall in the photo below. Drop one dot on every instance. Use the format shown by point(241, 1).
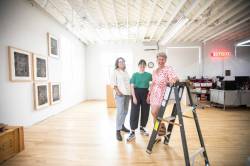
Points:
point(25, 26)
point(100, 62)
point(101, 58)
point(239, 65)
point(185, 60)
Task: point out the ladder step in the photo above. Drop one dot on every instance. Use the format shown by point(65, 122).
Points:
point(197, 152)
point(188, 109)
point(168, 120)
point(185, 116)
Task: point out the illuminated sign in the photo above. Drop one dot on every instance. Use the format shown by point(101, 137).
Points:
point(220, 53)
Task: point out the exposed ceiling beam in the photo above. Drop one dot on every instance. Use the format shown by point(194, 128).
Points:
point(208, 4)
point(58, 10)
point(232, 21)
point(225, 18)
point(160, 19)
point(239, 35)
point(182, 2)
point(127, 19)
point(83, 38)
point(138, 20)
point(91, 19)
point(44, 4)
point(149, 19)
point(247, 35)
point(179, 24)
point(217, 16)
point(101, 13)
point(195, 26)
point(90, 24)
point(227, 29)
point(232, 32)
point(115, 16)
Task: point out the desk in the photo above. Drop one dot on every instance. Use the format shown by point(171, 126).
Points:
point(110, 97)
point(230, 97)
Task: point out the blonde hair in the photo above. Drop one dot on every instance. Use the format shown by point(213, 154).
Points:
point(161, 54)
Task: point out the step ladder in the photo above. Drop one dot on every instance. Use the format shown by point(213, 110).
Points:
point(178, 89)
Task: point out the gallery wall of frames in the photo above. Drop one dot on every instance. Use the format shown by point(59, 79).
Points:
point(26, 66)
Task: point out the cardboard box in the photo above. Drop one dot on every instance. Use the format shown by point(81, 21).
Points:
point(11, 142)
point(110, 97)
point(197, 84)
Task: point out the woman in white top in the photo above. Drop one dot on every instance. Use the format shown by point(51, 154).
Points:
point(120, 82)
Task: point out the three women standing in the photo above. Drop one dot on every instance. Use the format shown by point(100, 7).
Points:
point(163, 76)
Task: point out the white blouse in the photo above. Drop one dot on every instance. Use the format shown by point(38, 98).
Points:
point(121, 80)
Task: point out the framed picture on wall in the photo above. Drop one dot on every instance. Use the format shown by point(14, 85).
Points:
point(41, 95)
point(40, 67)
point(55, 92)
point(53, 46)
point(20, 64)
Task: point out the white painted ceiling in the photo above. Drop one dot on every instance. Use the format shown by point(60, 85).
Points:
point(97, 21)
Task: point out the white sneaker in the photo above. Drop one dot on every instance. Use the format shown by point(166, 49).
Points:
point(143, 131)
point(131, 137)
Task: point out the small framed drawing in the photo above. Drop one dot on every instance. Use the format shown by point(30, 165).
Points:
point(150, 64)
point(40, 67)
point(55, 92)
point(41, 95)
point(53, 46)
point(20, 64)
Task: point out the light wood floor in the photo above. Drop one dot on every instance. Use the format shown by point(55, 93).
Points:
point(85, 135)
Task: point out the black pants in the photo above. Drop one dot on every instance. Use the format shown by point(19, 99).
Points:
point(141, 96)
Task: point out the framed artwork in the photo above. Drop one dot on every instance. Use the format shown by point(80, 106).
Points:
point(150, 64)
point(53, 45)
point(41, 95)
point(55, 92)
point(40, 68)
point(20, 64)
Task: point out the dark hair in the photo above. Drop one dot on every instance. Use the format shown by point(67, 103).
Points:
point(117, 61)
point(142, 62)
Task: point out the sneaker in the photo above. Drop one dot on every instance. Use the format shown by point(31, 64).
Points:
point(124, 129)
point(143, 131)
point(118, 135)
point(131, 136)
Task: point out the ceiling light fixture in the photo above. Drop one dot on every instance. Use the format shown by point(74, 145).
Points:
point(243, 43)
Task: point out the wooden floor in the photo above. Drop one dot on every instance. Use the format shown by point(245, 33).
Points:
point(85, 135)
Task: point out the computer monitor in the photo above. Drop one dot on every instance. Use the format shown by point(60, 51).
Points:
point(229, 85)
point(241, 81)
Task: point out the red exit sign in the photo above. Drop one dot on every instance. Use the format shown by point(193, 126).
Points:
point(220, 54)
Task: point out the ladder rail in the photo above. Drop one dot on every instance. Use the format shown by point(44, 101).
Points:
point(198, 128)
point(182, 128)
point(158, 121)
